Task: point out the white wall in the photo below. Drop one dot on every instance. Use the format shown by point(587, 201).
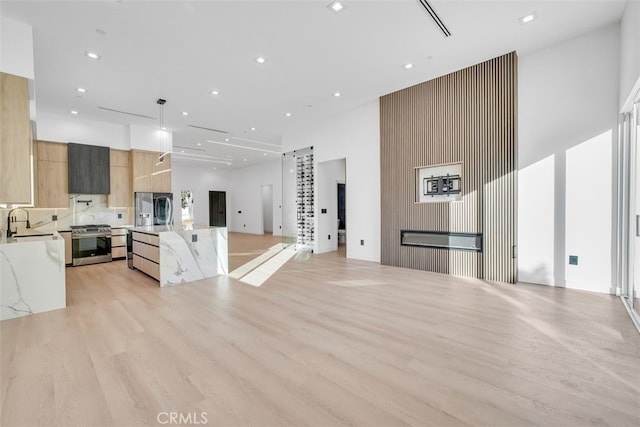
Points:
point(354, 136)
point(150, 138)
point(327, 176)
point(16, 48)
point(245, 195)
point(567, 130)
point(200, 180)
point(629, 54)
point(66, 128)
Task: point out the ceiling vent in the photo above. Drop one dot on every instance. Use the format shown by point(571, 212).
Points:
point(127, 113)
point(434, 15)
point(209, 129)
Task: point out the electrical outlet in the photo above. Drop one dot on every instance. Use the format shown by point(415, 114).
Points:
point(573, 260)
point(361, 242)
point(324, 211)
point(194, 238)
point(329, 237)
point(54, 217)
point(119, 216)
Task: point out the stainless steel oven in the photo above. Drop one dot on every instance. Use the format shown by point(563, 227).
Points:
point(91, 244)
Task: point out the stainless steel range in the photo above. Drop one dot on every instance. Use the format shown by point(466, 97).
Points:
point(91, 244)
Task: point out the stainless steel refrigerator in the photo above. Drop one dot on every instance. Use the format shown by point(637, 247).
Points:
point(154, 209)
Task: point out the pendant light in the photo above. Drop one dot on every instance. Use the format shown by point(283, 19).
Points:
point(161, 103)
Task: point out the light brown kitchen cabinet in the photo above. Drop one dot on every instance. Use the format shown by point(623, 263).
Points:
point(142, 169)
point(15, 140)
point(51, 175)
point(121, 195)
point(146, 253)
point(150, 175)
point(161, 177)
point(118, 243)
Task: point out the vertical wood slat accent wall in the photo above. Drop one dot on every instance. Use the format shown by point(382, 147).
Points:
point(468, 116)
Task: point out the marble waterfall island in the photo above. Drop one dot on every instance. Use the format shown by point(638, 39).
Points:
point(32, 275)
point(176, 255)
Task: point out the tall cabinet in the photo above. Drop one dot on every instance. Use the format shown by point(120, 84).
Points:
point(120, 175)
point(51, 175)
point(15, 140)
point(150, 175)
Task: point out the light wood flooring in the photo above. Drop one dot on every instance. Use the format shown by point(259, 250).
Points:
point(244, 247)
point(325, 342)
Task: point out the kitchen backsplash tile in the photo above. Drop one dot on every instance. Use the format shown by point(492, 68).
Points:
point(83, 209)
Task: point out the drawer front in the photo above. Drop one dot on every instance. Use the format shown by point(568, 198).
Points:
point(147, 251)
point(120, 252)
point(118, 232)
point(146, 266)
point(150, 239)
point(118, 240)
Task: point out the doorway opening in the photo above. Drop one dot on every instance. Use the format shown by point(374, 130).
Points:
point(267, 209)
point(342, 216)
point(217, 208)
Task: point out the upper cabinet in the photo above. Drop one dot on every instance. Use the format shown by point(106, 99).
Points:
point(161, 177)
point(89, 169)
point(15, 140)
point(50, 159)
point(149, 174)
point(121, 194)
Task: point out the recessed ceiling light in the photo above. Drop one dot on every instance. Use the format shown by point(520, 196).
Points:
point(81, 90)
point(261, 60)
point(228, 164)
point(214, 168)
point(74, 112)
point(215, 92)
point(182, 151)
point(93, 55)
point(336, 6)
point(264, 154)
point(528, 18)
point(184, 113)
point(199, 144)
point(337, 94)
point(253, 128)
point(244, 160)
point(408, 66)
point(287, 114)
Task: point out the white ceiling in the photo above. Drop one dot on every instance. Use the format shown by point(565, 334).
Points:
point(181, 50)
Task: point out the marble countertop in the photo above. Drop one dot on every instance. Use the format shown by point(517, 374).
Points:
point(157, 229)
point(29, 237)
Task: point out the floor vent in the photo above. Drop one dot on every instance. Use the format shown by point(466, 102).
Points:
point(434, 15)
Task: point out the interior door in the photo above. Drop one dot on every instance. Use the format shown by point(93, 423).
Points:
point(218, 208)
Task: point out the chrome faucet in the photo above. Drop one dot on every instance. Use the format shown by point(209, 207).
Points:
point(14, 219)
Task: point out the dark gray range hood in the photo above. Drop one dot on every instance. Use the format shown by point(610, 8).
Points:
point(89, 167)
